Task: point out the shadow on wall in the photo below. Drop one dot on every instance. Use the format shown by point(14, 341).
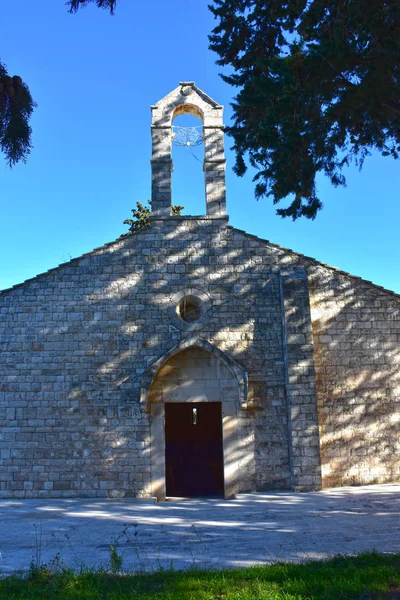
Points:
point(356, 330)
point(79, 338)
point(86, 332)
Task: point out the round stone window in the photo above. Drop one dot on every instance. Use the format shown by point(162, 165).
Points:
point(189, 309)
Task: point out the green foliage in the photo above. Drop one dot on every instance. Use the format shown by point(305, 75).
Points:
point(319, 84)
point(176, 210)
point(75, 5)
point(141, 215)
point(16, 107)
point(116, 559)
point(370, 576)
point(45, 572)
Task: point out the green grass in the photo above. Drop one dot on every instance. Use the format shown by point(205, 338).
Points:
point(364, 577)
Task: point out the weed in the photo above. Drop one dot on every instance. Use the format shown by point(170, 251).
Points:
point(44, 572)
point(196, 542)
point(36, 561)
point(116, 559)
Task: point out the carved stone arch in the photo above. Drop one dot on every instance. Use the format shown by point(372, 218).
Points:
point(187, 98)
point(184, 375)
point(187, 109)
point(237, 371)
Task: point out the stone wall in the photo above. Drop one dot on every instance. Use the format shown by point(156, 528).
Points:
point(74, 343)
point(193, 375)
point(356, 330)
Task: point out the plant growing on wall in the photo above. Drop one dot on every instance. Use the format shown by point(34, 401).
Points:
point(142, 213)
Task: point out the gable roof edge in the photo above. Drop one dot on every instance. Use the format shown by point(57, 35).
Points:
point(317, 262)
point(72, 260)
point(101, 248)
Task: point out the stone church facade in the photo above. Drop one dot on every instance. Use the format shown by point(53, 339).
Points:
point(191, 357)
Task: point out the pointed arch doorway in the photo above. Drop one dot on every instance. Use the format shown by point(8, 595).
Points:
point(193, 397)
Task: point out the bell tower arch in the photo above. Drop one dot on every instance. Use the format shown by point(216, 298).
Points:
point(187, 98)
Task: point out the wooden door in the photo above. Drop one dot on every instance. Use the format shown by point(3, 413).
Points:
point(193, 449)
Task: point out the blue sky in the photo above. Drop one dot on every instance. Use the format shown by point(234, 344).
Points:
point(94, 78)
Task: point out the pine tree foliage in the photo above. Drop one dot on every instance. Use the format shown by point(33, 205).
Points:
point(142, 213)
point(319, 85)
point(16, 107)
point(75, 5)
